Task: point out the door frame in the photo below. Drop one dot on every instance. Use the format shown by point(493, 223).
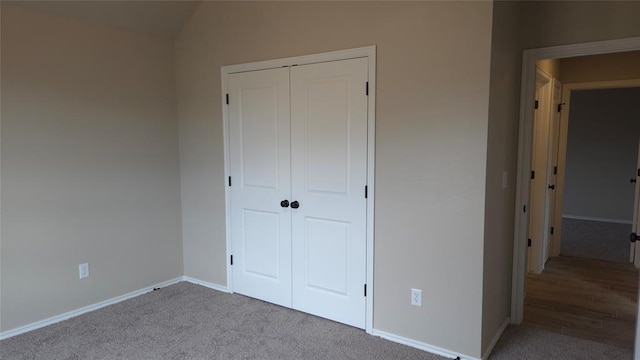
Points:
point(368, 52)
point(529, 59)
point(562, 146)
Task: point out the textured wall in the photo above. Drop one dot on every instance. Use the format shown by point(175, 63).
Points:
point(89, 165)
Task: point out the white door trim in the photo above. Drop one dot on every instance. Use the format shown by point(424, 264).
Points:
point(529, 59)
point(368, 52)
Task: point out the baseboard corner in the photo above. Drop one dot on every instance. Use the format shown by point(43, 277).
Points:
point(496, 337)
point(206, 284)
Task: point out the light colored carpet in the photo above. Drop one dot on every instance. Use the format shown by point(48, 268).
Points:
point(186, 321)
point(595, 240)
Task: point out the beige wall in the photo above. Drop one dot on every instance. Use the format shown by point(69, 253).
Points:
point(605, 67)
point(550, 67)
point(550, 23)
point(89, 165)
point(433, 87)
point(501, 157)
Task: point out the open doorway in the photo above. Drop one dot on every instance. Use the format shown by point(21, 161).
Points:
point(588, 288)
point(524, 189)
point(598, 169)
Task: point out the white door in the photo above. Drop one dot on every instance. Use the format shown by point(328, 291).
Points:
point(309, 253)
point(329, 166)
point(552, 229)
point(539, 158)
point(635, 250)
point(259, 133)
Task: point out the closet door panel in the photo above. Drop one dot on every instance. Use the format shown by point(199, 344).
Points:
point(259, 133)
point(328, 162)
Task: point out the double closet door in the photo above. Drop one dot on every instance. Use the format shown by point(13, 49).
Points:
point(298, 165)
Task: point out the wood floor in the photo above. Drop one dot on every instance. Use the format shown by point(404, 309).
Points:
point(586, 298)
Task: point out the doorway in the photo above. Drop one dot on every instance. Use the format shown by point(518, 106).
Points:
point(598, 163)
point(589, 288)
point(525, 147)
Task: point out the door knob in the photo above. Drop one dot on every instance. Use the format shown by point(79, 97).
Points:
point(284, 203)
point(633, 180)
point(295, 205)
point(634, 237)
point(552, 187)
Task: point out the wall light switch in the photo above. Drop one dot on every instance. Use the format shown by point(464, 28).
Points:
point(83, 270)
point(504, 179)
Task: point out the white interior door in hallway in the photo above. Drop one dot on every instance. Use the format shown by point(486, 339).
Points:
point(635, 249)
point(298, 166)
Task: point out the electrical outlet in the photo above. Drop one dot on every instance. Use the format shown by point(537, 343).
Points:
point(416, 297)
point(504, 179)
point(83, 270)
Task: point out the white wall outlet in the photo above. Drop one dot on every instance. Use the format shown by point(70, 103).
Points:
point(416, 297)
point(83, 270)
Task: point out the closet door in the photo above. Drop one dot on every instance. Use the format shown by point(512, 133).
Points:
point(259, 133)
point(329, 163)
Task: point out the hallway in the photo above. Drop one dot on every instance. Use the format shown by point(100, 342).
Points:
point(586, 298)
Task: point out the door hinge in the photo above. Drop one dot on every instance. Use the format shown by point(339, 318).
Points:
point(366, 91)
point(227, 99)
point(366, 191)
point(529, 242)
point(533, 174)
point(555, 170)
point(524, 209)
point(231, 259)
point(551, 230)
point(365, 290)
point(229, 180)
point(559, 107)
point(536, 104)
point(638, 172)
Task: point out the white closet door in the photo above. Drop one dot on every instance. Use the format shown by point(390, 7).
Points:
point(259, 132)
point(329, 163)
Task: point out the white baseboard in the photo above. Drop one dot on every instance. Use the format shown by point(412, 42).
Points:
point(206, 284)
point(83, 310)
point(589, 218)
point(506, 323)
point(422, 346)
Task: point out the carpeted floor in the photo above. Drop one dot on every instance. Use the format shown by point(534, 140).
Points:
point(595, 240)
point(186, 321)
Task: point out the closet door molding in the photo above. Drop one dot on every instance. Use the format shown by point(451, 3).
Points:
point(368, 53)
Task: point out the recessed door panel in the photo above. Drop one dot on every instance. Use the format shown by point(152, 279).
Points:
point(259, 133)
point(329, 163)
point(259, 136)
point(326, 245)
point(261, 252)
point(327, 135)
